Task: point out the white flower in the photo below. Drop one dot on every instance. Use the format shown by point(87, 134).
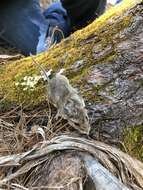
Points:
point(17, 83)
point(23, 84)
point(29, 82)
point(24, 89)
point(25, 78)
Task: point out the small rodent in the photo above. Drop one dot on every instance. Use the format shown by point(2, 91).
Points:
point(70, 105)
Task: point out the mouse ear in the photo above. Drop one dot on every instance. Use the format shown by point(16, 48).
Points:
point(46, 74)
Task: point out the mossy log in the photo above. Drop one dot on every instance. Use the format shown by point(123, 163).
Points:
point(104, 61)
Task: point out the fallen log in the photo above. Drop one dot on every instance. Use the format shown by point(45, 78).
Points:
point(68, 162)
point(104, 61)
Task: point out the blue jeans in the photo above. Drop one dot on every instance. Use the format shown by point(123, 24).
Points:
point(23, 25)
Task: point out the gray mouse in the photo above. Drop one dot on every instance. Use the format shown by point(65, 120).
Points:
point(70, 105)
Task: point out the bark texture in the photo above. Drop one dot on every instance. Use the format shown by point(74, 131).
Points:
point(104, 61)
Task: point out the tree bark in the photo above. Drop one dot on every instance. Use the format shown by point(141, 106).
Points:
point(104, 61)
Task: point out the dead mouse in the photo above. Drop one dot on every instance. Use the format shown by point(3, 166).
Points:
point(70, 105)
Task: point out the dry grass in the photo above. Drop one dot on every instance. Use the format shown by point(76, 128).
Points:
point(20, 130)
point(17, 137)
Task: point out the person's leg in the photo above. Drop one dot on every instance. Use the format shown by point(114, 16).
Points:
point(23, 25)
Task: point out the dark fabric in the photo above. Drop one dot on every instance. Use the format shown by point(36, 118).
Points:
point(81, 12)
point(23, 25)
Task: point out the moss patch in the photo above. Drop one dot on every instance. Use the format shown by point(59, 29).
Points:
point(133, 141)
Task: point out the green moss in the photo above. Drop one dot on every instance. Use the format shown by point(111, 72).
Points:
point(133, 141)
point(31, 97)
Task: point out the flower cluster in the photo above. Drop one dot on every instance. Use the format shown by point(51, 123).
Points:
point(29, 82)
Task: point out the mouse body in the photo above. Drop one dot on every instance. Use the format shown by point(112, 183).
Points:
point(69, 103)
